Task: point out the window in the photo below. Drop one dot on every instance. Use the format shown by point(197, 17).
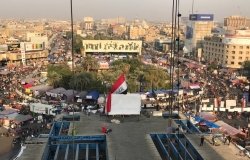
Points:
point(247, 58)
point(227, 46)
point(248, 47)
point(232, 62)
point(233, 57)
point(247, 52)
point(234, 47)
point(233, 52)
point(239, 63)
point(225, 62)
point(240, 52)
point(241, 47)
point(240, 57)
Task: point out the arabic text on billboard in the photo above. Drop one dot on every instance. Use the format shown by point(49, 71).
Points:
point(111, 46)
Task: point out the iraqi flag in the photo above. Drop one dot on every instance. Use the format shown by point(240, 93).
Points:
point(119, 87)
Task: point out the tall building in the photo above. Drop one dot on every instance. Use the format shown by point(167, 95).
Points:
point(236, 22)
point(88, 23)
point(198, 27)
point(231, 50)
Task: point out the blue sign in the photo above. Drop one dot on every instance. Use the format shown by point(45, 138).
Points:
point(201, 17)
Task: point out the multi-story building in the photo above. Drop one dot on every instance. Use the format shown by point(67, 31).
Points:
point(198, 27)
point(231, 50)
point(236, 22)
point(88, 23)
point(136, 32)
point(119, 29)
point(30, 57)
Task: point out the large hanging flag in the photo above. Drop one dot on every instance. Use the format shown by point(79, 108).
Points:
point(119, 87)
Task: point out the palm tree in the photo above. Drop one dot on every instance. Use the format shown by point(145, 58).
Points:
point(54, 78)
point(90, 63)
point(81, 81)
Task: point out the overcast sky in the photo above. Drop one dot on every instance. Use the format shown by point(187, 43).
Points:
point(156, 10)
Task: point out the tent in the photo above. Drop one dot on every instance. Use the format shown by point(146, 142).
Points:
point(56, 92)
point(194, 86)
point(18, 118)
point(202, 121)
point(68, 95)
point(208, 116)
point(92, 95)
point(229, 129)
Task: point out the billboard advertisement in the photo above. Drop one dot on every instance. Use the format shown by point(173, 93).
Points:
point(14, 47)
point(33, 47)
point(201, 17)
point(112, 46)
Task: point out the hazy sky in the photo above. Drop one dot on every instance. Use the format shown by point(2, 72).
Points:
point(157, 10)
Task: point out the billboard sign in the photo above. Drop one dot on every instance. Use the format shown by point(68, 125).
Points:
point(201, 17)
point(32, 46)
point(112, 46)
point(14, 47)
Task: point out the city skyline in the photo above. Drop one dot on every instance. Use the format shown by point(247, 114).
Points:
point(99, 9)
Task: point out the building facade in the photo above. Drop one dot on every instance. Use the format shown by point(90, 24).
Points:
point(236, 22)
point(229, 51)
point(198, 27)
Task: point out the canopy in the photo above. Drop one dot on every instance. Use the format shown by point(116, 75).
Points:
point(208, 116)
point(94, 95)
point(81, 94)
point(19, 117)
point(229, 129)
point(56, 92)
point(202, 121)
point(194, 86)
point(8, 112)
point(27, 86)
point(41, 88)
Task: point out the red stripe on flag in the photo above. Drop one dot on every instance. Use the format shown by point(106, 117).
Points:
point(118, 83)
point(108, 104)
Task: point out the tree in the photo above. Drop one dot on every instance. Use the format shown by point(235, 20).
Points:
point(90, 63)
point(246, 68)
point(61, 70)
point(246, 65)
point(54, 78)
point(80, 81)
